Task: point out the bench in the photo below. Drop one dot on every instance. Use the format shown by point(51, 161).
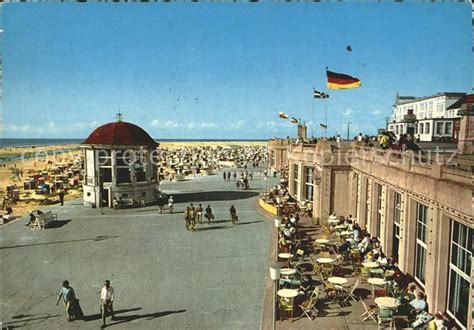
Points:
point(43, 220)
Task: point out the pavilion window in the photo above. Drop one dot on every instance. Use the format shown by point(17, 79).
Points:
point(123, 175)
point(105, 174)
point(378, 191)
point(421, 240)
point(460, 272)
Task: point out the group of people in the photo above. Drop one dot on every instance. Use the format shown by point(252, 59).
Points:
point(72, 306)
point(193, 215)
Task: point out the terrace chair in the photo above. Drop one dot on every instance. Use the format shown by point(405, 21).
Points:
point(308, 308)
point(316, 266)
point(326, 270)
point(385, 316)
point(330, 289)
point(296, 262)
point(370, 312)
point(350, 291)
point(324, 254)
point(364, 274)
point(286, 306)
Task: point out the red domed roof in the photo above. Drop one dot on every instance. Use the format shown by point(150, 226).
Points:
point(120, 133)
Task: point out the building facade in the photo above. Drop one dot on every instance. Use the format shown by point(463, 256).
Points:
point(278, 153)
point(119, 163)
point(419, 208)
point(436, 120)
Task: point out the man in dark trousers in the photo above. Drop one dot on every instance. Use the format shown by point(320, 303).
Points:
point(61, 197)
point(106, 301)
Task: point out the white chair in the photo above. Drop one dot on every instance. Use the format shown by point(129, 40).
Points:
point(350, 291)
point(370, 312)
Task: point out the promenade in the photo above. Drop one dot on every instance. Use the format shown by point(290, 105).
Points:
point(165, 277)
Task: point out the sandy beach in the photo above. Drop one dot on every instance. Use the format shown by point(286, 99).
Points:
point(39, 161)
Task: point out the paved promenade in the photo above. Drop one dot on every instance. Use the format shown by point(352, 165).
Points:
point(165, 277)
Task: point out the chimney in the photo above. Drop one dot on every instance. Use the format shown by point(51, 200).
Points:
point(466, 131)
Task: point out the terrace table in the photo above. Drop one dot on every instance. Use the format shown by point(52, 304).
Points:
point(322, 241)
point(376, 281)
point(387, 302)
point(285, 255)
point(346, 233)
point(287, 271)
point(325, 260)
point(340, 227)
point(337, 280)
point(370, 264)
point(287, 293)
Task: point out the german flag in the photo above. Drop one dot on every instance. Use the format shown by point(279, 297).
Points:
point(341, 81)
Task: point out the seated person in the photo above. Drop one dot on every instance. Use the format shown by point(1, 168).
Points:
point(419, 303)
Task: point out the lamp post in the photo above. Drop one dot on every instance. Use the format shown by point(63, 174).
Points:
point(275, 276)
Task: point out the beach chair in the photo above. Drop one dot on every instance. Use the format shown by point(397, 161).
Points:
point(370, 312)
point(385, 316)
point(45, 219)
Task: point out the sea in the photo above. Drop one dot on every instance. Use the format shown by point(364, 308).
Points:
point(10, 143)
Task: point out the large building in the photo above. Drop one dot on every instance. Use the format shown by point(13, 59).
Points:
point(120, 163)
point(435, 118)
point(419, 207)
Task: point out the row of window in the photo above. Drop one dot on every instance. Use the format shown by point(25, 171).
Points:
point(461, 252)
point(308, 192)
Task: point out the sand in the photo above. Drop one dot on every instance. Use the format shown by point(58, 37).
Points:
point(37, 164)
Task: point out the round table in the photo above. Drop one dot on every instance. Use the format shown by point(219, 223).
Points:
point(346, 233)
point(337, 280)
point(370, 264)
point(285, 255)
point(387, 302)
point(287, 293)
point(376, 281)
point(287, 271)
point(340, 227)
point(322, 241)
point(325, 260)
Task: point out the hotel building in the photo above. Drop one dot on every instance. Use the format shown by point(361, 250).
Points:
point(436, 118)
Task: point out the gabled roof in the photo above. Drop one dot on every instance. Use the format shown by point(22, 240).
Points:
point(469, 98)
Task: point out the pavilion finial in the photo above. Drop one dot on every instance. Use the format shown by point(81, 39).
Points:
point(119, 116)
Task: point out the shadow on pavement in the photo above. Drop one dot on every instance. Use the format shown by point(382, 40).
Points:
point(97, 239)
point(150, 316)
point(22, 319)
point(247, 223)
point(98, 316)
point(213, 196)
point(57, 224)
point(212, 228)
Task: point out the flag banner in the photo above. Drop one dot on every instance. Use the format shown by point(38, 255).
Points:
point(294, 120)
point(341, 81)
point(283, 115)
point(320, 95)
point(323, 126)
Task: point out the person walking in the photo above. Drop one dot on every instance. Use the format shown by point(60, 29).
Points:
point(69, 296)
point(233, 214)
point(209, 216)
point(235, 175)
point(225, 176)
point(187, 216)
point(238, 184)
point(192, 217)
point(106, 301)
point(228, 176)
point(171, 203)
point(61, 197)
point(199, 210)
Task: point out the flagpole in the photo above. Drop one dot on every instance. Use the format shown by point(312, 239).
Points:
point(326, 119)
point(312, 124)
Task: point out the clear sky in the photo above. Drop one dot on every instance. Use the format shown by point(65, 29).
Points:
point(197, 70)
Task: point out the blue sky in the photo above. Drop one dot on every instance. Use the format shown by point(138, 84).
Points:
point(223, 70)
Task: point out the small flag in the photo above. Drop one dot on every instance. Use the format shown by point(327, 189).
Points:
point(341, 81)
point(283, 115)
point(323, 126)
point(320, 95)
point(294, 120)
